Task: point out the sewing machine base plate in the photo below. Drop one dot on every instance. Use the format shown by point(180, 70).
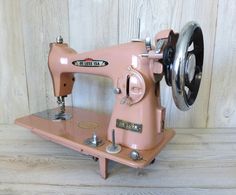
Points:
point(73, 133)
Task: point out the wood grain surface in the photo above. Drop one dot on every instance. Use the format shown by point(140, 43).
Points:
point(196, 161)
point(42, 22)
point(222, 110)
point(93, 24)
point(13, 83)
point(27, 27)
point(158, 15)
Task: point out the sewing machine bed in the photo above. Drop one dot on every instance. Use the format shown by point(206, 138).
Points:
point(73, 133)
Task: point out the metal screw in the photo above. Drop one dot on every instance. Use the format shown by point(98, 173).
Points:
point(59, 39)
point(116, 90)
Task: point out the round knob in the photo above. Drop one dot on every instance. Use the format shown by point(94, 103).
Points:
point(117, 90)
point(59, 39)
point(134, 155)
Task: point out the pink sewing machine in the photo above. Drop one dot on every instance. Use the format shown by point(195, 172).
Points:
point(134, 132)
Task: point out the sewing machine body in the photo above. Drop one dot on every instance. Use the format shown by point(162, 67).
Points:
point(136, 124)
point(136, 103)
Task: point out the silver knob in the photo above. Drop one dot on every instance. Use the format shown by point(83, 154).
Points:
point(59, 39)
point(134, 155)
point(116, 90)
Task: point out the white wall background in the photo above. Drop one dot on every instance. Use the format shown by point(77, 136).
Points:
point(28, 26)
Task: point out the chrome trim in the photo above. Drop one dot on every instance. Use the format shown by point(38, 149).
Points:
point(190, 67)
point(148, 44)
point(59, 39)
point(178, 70)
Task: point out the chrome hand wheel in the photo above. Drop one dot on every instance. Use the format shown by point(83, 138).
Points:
point(186, 72)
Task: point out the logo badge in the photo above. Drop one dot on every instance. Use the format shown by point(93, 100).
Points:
point(89, 62)
point(129, 126)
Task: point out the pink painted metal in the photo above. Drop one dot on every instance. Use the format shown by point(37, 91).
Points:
point(72, 134)
point(136, 76)
point(142, 106)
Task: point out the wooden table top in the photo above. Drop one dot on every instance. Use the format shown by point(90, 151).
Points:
point(196, 161)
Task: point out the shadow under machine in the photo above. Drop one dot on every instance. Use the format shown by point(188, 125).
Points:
point(134, 132)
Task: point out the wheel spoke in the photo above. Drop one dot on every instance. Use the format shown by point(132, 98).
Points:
point(196, 50)
point(190, 86)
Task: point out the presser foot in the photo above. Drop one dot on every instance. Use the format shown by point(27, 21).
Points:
point(62, 116)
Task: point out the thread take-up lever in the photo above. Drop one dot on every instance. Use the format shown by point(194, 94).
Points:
point(127, 99)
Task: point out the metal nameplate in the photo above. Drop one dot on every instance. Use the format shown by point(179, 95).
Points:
point(129, 126)
point(89, 62)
